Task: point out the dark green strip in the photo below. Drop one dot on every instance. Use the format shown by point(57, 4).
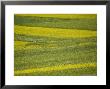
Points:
point(34, 21)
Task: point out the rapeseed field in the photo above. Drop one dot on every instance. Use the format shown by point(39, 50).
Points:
point(55, 44)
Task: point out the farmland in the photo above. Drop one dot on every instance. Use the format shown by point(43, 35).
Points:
point(55, 44)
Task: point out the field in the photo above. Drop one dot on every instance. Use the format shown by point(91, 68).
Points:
point(55, 45)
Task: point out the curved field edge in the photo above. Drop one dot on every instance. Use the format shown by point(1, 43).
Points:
point(55, 68)
point(54, 32)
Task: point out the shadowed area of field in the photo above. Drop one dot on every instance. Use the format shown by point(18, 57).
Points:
point(64, 21)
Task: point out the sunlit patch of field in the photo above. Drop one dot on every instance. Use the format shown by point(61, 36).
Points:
point(54, 32)
point(20, 45)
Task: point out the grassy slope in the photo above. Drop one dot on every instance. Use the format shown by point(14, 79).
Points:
point(41, 51)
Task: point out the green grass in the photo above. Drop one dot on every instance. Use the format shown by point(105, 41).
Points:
point(52, 22)
point(56, 47)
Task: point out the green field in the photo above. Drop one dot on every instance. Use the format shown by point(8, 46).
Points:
point(55, 44)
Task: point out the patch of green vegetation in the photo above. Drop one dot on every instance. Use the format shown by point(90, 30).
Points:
point(53, 51)
point(51, 22)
